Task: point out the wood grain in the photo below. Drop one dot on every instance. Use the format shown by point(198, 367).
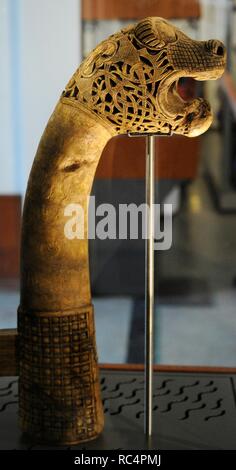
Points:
point(113, 9)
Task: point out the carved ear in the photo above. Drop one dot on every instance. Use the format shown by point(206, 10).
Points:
point(154, 33)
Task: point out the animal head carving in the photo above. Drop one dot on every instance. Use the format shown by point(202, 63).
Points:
point(131, 79)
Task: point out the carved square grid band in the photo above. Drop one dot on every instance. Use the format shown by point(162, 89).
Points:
point(58, 379)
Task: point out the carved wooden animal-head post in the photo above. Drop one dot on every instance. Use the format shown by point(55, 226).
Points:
point(127, 84)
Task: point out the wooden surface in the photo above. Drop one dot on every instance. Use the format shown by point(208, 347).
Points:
point(124, 158)
point(8, 362)
point(8, 348)
point(171, 368)
point(132, 9)
point(10, 217)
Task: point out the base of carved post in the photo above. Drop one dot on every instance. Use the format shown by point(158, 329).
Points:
point(59, 391)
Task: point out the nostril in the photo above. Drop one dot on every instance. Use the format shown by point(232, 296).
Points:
point(215, 47)
point(220, 51)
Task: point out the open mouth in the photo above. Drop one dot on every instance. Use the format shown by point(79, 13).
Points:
point(187, 117)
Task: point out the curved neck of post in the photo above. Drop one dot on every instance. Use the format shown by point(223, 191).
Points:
point(55, 268)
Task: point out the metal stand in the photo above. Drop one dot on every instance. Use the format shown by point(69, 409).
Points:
point(149, 278)
point(149, 282)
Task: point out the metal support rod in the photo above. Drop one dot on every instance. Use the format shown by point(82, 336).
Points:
point(149, 282)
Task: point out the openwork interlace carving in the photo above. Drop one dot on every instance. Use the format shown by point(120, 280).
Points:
point(131, 79)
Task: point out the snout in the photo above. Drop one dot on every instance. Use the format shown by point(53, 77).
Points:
point(202, 60)
point(216, 48)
